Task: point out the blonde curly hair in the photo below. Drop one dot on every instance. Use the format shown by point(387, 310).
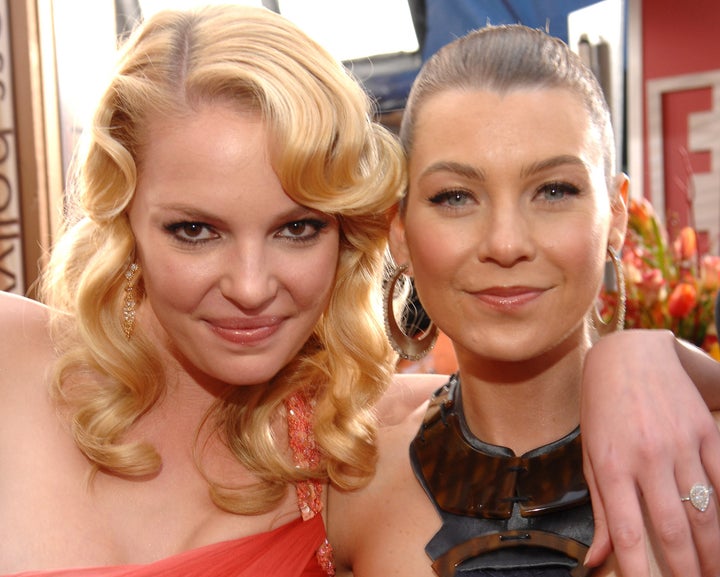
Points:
point(331, 156)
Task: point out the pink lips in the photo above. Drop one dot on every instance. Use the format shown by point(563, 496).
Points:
point(508, 299)
point(251, 331)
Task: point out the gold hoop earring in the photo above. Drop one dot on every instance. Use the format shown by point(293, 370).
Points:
point(617, 321)
point(130, 300)
point(404, 345)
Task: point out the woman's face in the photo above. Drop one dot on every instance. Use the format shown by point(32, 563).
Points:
point(236, 274)
point(507, 219)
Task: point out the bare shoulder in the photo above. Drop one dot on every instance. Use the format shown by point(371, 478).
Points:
point(23, 317)
point(406, 393)
point(383, 528)
point(26, 349)
point(24, 322)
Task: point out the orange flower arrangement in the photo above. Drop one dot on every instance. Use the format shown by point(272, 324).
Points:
point(668, 285)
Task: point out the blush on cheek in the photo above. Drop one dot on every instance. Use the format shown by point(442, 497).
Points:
point(178, 288)
point(314, 283)
point(427, 251)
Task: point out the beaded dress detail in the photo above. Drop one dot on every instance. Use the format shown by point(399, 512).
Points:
point(306, 454)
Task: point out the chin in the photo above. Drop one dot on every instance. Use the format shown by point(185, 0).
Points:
point(250, 376)
point(507, 350)
point(239, 373)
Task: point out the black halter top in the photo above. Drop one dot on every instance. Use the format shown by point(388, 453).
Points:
point(503, 515)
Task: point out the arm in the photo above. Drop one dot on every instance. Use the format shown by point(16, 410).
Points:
point(702, 369)
point(647, 431)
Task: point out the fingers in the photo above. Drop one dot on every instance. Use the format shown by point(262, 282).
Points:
point(706, 536)
point(620, 518)
point(668, 521)
point(706, 525)
point(639, 510)
point(685, 540)
point(649, 438)
point(601, 545)
point(699, 466)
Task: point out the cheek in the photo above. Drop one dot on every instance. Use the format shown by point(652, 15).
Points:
point(170, 280)
point(428, 256)
point(436, 259)
point(172, 283)
point(311, 280)
point(428, 240)
point(582, 258)
point(439, 243)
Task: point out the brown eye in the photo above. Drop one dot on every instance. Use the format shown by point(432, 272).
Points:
point(192, 229)
point(302, 230)
point(297, 228)
point(191, 232)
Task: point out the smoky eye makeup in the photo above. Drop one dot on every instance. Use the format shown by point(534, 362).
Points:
point(190, 232)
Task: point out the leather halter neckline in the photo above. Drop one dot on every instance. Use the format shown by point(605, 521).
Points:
point(500, 509)
point(469, 477)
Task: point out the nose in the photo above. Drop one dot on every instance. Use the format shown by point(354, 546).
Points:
point(506, 237)
point(248, 279)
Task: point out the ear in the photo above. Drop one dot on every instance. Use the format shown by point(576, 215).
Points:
point(618, 206)
point(398, 242)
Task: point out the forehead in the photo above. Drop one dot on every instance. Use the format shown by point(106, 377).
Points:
point(486, 126)
point(215, 157)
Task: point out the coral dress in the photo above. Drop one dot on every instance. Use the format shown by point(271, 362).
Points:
point(296, 549)
point(287, 551)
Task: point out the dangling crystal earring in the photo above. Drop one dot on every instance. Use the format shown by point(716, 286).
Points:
point(617, 321)
point(404, 345)
point(129, 302)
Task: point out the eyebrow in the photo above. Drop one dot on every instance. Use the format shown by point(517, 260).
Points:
point(471, 172)
point(186, 210)
point(554, 162)
point(194, 213)
point(458, 168)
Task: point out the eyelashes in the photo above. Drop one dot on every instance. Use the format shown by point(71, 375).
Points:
point(198, 233)
point(551, 192)
point(556, 191)
point(191, 232)
point(452, 198)
point(304, 230)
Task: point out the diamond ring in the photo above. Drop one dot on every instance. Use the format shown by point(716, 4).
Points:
point(699, 496)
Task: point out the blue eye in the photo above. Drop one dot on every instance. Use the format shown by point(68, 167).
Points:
point(556, 191)
point(452, 198)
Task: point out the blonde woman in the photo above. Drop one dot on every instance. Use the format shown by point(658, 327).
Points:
point(196, 377)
